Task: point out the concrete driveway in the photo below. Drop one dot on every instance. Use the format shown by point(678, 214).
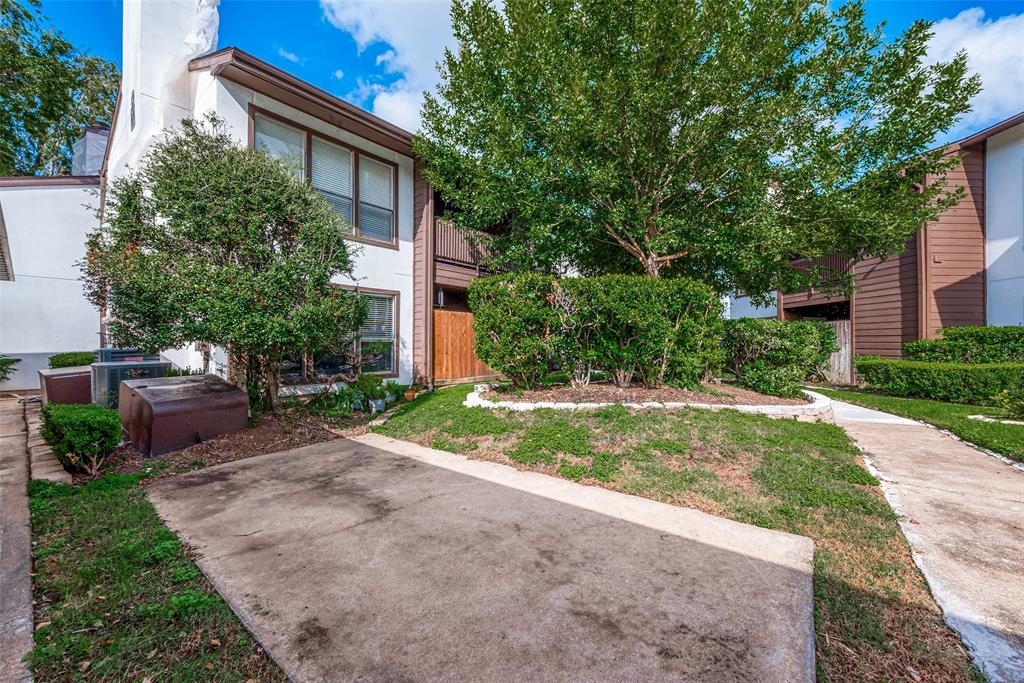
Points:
point(374, 559)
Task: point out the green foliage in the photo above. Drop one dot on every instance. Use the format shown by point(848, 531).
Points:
point(971, 344)
point(1012, 401)
point(7, 367)
point(954, 382)
point(114, 587)
point(246, 263)
point(81, 435)
point(72, 359)
point(655, 329)
point(713, 140)
point(774, 356)
point(512, 320)
point(50, 91)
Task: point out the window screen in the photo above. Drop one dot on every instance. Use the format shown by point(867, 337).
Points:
point(331, 175)
point(281, 142)
point(376, 200)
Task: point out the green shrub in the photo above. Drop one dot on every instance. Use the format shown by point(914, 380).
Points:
point(512, 320)
point(1012, 401)
point(972, 344)
point(7, 367)
point(774, 356)
point(81, 435)
point(72, 359)
point(630, 326)
point(953, 382)
point(655, 329)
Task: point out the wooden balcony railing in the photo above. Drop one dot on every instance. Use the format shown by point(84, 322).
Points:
point(833, 263)
point(452, 244)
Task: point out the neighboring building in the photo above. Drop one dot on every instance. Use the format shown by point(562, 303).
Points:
point(43, 310)
point(408, 263)
point(966, 268)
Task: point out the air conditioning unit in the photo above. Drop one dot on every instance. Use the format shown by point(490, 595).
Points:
point(112, 355)
point(108, 375)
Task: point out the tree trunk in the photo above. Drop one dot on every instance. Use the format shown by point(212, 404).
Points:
point(271, 384)
point(622, 378)
point(651, 265)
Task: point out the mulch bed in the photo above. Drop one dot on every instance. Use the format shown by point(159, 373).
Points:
point(716, 394)
point(272, 434)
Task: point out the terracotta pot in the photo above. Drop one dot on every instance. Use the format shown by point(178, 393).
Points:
point(410, 395)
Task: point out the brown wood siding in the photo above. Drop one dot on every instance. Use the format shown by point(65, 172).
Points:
point(452, 275)
point(422, 272)
point(885, 314)
point(955, 252)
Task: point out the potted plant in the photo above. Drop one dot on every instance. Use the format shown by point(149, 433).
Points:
point(410, 393)
point(377, 400)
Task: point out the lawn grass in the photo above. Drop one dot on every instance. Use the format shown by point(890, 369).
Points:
point(1004, 439)
point(874, 616)
point(117, 597)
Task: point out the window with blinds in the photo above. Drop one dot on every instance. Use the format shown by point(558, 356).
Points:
point(331, 176)
point(281, 142)
point(376, 200)
point(377, 335)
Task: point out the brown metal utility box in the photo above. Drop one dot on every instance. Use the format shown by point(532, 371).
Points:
point(66, 385)
point(170, 413)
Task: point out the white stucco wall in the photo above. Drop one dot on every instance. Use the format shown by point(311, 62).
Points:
point(1004, 227)
point(740, 307)
point(44, 311)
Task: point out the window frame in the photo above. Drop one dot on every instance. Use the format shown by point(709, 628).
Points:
point(254, 111)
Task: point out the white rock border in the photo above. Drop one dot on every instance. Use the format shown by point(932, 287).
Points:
point(987, 418)
point(820, 407)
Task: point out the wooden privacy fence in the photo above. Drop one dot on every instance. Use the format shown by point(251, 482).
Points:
point(839, 368)
point(454, 356)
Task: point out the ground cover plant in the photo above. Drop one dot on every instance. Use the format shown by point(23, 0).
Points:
point(1004, 439)
point(874, 616)
point(117, 597)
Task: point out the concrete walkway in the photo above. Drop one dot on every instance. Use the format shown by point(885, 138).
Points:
point(375, 559)
point(963, 513)
point(15, 545)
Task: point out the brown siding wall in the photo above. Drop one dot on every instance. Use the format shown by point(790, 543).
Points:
point(422, 276)
point(885, 304)
point(955, 252)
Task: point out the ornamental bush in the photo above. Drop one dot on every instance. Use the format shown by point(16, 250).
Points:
point(7, 367)
point(512, 321)
point(974, 383)
point(774, 356)
point(972, 344)
point(1012, 401)
point(72, 359)
point(81, 435)
point(654, 330)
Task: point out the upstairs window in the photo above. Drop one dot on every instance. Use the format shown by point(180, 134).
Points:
point(282, 142)
point(359, 188)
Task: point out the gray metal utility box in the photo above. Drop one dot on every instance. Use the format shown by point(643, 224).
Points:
point(171, 413)
point(110, 354)
point(107, 376)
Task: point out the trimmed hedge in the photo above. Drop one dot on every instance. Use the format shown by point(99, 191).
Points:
point(775, 356)
point(973, 344)
point(72, 359)
point(81, 435)
point(974, 383)
point(655, 330)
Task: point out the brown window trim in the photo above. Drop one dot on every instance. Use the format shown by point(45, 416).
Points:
point(397, 296)
point(253, 110)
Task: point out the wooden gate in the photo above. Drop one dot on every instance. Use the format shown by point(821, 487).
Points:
point(454, 356)
point(839, 365)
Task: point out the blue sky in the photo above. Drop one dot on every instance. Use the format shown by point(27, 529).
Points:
point(379, 54)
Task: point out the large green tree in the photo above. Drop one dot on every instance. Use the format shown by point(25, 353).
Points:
point(49, 91)
point(717, 139)
point(214, 242)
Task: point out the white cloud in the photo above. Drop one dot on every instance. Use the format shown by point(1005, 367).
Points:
point(338, 74)
point(290, 56)
point(415, 33)
point(994, 49)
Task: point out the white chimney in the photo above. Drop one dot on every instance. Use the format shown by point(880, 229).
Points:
point(88, 150)
point(159, 38)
